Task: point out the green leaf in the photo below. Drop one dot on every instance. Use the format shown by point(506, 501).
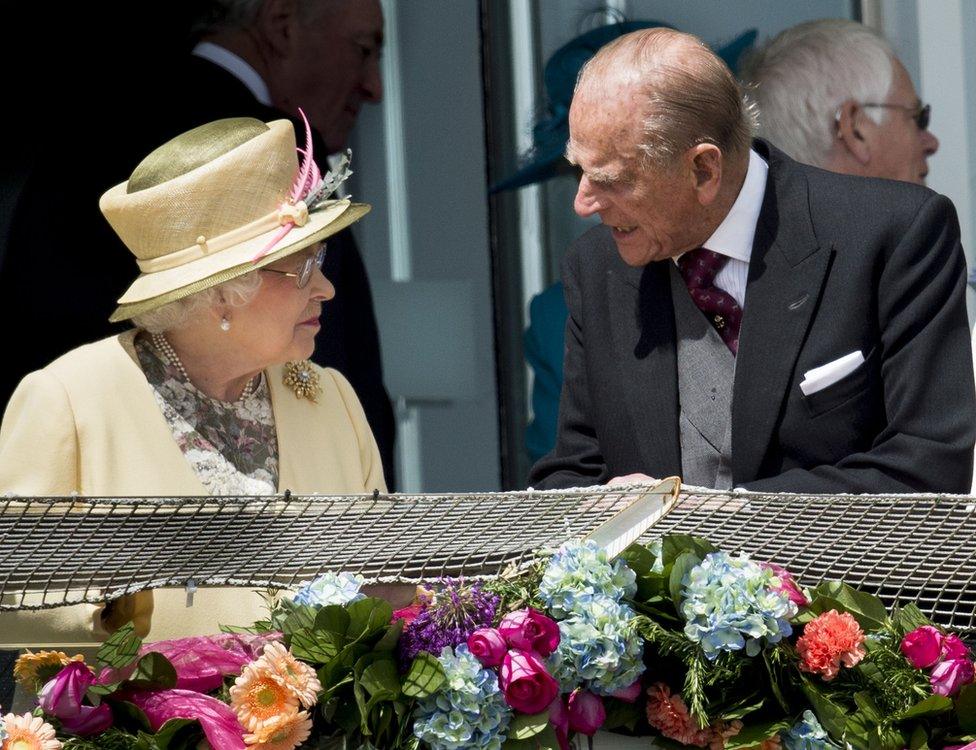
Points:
point(868, 707)
point(390, 638)
point(755, 734)
point(931, 706)
point(831, 716)
point(523, 726)
point(544, 740)
point(425, 676)
point(865, 608)
point(774, 681)
point(621, 714)
point(332, 619)
point(120, 648)
point(965, 705)
point(909, 617)
point(919, 739)
point(380, 678)
point(301, 617)
point(367, 616)
point(153, 672)
point(674, 545)
point(682, 564)
point(742, 708)
point(178, 733)
point(130, 715)
point(316, 647)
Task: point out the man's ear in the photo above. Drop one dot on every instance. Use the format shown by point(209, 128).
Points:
point(704, 163)
point(274, 24)
point(850, 123)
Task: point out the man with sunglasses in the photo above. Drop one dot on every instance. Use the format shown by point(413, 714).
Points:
point(832, 93)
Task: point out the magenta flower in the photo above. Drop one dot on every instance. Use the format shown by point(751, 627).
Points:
point(219, 722)
point(954, 648)
point(62, 695)
point(559, 720)
point(488, 646)
point(202, 662)
point(530, 630)
point(586, 712)
point(527, 685)
point(629, 694)
point(90, 720)
point(787, 584)
point(922, 647)
point(949, 676)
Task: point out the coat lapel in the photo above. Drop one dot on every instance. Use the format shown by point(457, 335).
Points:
point(642, 321)
point(786, 275)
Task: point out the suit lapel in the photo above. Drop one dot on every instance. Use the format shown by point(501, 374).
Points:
point(786, 275)
point(642, 321)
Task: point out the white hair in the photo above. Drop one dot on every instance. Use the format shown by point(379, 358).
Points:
point(800, 77)
point(236, 293)
point(221, 15)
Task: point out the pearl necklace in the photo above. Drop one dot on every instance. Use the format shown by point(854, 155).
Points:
point(167, 350)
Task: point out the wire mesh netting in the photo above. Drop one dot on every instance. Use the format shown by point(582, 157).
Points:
point(56, 551)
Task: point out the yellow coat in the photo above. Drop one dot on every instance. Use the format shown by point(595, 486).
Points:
point(89, 423)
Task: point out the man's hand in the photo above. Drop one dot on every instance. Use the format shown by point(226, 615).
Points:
point(632, 479)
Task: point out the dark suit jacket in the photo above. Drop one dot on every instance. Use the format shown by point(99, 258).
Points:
point(838, 264)
point(64, 268)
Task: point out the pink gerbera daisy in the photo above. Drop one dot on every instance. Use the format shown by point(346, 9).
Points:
point(300, 677)
point(29, 732)
point(259, 698)
point(287, 733)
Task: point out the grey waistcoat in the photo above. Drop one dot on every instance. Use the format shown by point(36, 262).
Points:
point(706, 369)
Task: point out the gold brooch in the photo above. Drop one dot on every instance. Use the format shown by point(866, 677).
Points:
point(302, 379)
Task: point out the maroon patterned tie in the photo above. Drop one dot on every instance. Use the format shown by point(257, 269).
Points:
point(699, 269)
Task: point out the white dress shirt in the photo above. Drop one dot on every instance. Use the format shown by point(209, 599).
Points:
point(737, 231)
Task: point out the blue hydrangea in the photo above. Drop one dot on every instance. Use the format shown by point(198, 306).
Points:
point(807, 734)
point(331, 588)
point(580, 572)
point(3, 731)
point(729, 603)
point(469, 711)
point(598, 649)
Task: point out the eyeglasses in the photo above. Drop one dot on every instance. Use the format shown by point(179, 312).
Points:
point(921, 113)
point(304, 274)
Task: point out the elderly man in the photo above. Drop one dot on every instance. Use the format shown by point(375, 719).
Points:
point(831, 93)
point(741, 319)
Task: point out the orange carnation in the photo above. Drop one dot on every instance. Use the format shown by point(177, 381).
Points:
point(829, 641)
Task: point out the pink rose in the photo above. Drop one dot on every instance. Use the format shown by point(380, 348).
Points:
point(629, 694)
point(559, 720)
point(787, 584)
point(488, 645)
point(949, 676)
point(586, 712)
point(62, 695)
point(529, 630)
point(527, 686)
point(954, 648)
point(922, 647)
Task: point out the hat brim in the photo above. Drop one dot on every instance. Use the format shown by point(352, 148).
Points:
point(152, 290)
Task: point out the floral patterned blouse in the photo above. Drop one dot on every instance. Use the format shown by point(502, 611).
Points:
point(231, 446)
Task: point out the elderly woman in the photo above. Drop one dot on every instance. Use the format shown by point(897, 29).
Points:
point(212, 392)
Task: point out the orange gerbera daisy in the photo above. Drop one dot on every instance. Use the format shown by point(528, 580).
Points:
point(34, 669)
point(285, 734)
point(260, 697)
point(297, 675)
point(28, 733)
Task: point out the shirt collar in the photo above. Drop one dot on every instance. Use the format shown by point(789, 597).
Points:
point(737, 231)
point(237, 66)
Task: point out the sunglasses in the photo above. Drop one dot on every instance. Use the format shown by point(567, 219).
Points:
point(304, 274)
point(920, 113)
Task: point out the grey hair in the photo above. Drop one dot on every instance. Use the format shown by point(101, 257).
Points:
point(236, 293)
point(800, 77)
point(223, 15)
point(691, 96)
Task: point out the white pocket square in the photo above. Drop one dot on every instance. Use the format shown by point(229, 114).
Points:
point(820, 377)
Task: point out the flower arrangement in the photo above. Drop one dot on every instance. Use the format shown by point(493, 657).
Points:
point(676, 640)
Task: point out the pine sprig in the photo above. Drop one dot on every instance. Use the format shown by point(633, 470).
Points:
point(518, 588)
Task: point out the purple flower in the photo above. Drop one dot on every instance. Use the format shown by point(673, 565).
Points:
point(456, 610)
point(949, 676)
point(922, 646)
point(629, 694)
point(787, 584)
point(63, 697)
point(90, 720)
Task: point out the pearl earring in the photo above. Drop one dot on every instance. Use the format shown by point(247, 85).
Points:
point(224, 324)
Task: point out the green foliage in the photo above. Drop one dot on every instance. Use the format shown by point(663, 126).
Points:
point(545, 739)
point(867, 609)
point(518, 588)
point(120, 649)
point(965, 705)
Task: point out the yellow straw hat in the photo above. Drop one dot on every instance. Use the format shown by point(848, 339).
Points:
point(217, 202)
